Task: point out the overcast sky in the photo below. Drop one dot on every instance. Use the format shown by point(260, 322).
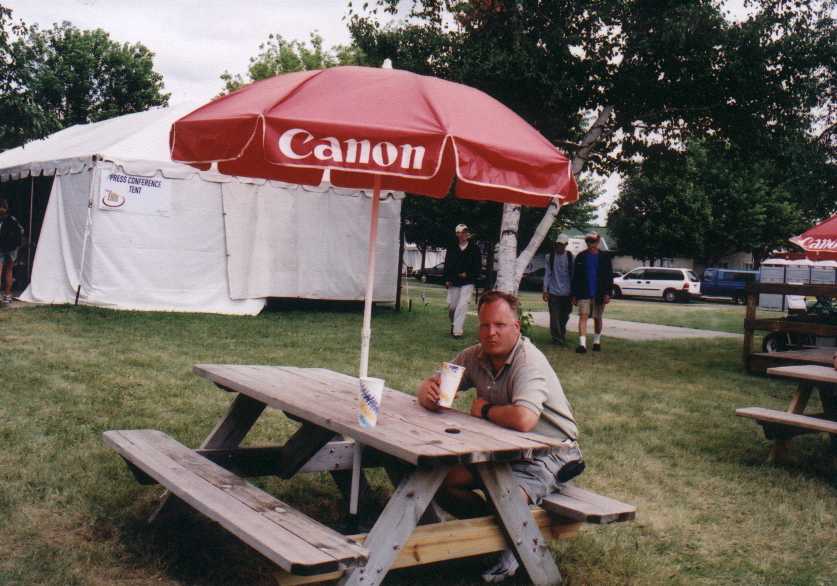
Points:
point(195, 41)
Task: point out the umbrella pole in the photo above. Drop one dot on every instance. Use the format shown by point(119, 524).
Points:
point(366, 333)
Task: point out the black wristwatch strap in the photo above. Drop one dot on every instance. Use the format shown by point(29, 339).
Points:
point(485, 409)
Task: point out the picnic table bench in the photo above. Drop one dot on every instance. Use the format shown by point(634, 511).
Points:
point(782, 426)
point(760, 361)
point(416, 448)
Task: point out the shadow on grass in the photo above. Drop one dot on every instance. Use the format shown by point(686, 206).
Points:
point(287, 305)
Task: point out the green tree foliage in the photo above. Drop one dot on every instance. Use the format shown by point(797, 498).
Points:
point(716, 199)
point(669, 69)
point(63, 76)
point(20, 115)
point(278, 55)
point(430, 222)
point(661, 212)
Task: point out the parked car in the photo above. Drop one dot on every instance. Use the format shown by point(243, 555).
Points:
point(533, 281)
point(727, 283)
point(432, 275)
point(669, 284)
point(437, 275)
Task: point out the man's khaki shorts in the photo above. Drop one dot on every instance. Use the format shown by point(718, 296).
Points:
point(590, 308)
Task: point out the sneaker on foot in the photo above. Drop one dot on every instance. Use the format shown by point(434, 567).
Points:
point(7, 298)
point(597, 347)
point(506, 566)
point(581, 350)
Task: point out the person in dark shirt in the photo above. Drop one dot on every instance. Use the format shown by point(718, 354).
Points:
point(557, 280)
point(11, 236)
point(462, 267)
point(592, 283)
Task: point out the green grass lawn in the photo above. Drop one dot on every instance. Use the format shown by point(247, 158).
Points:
point(657, 428)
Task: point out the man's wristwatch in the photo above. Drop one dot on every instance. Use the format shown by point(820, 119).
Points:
point(485, 409)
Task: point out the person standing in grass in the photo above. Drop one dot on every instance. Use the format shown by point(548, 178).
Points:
point(557, 281)
point(517, 389)
point(11, 236)
point(591, 285)
point(462, 267)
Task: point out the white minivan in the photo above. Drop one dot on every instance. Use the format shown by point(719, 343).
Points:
point(669, 284)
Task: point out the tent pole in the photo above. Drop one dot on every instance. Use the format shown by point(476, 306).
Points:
point(95, 176)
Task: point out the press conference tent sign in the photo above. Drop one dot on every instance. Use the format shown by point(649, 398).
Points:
point(127, 228)
point(138, 194)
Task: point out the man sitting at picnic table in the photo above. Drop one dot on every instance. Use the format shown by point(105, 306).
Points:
point(517, 389)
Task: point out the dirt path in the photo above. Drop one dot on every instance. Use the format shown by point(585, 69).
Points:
point(631, 330)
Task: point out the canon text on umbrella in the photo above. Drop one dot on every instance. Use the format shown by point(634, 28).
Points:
point(818, 243)
point(329, 148)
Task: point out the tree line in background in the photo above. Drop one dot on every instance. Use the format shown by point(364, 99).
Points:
point(723, 128)
point(717, 198)
point(54, 78)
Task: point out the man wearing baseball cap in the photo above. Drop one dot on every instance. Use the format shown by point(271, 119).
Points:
point(462, 267)
point(557, 281)
point(591, 285)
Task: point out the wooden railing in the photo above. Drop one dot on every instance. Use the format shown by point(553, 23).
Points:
point(752, 324)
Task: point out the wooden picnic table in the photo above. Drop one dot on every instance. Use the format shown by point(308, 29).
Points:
point(782, 426)
point(415, 446)
point(759, 362)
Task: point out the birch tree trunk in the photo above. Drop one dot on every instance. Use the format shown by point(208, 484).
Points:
point(510, 266)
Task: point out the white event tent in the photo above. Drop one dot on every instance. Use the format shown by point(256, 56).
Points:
point(125, 227)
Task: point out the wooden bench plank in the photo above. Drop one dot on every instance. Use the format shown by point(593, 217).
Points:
point(819, 356)
point(789, 419)
point(450, 540)
point(579, 504)
point(304, 527)
point(809, 372)
point(295, 542)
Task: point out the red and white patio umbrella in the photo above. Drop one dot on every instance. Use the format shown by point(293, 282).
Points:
point(375, 128)
point(820, 242)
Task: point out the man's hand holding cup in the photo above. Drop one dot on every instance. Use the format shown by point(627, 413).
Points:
point(428, 392)
point(440, 389)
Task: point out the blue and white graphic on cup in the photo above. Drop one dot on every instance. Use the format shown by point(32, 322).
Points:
point(371, 390)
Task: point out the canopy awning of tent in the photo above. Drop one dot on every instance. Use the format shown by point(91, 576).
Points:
point(132, 140)
point(138, 143)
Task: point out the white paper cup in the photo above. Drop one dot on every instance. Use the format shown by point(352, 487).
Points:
point(371, 391)
point(450, 375)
